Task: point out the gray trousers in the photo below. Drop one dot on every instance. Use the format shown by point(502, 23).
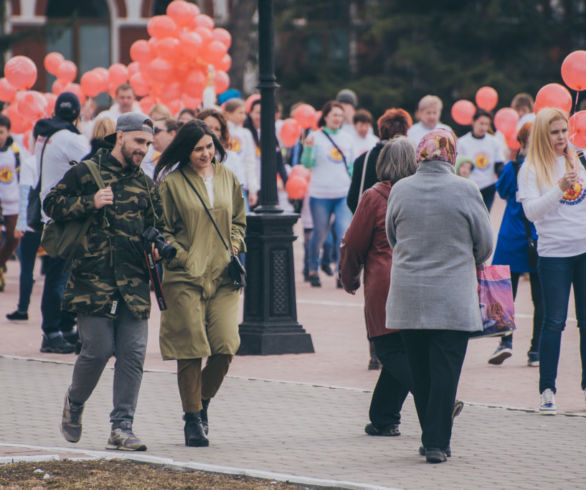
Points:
point(124, 337)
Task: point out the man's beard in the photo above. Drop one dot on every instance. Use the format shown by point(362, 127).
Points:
point(128, 157)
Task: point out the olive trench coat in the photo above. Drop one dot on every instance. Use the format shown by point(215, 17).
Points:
point(202, 305)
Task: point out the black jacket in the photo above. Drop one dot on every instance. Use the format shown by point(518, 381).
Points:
point(369, 179)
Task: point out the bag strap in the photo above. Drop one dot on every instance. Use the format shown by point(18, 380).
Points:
point(38, 188)
point(95, 173)
point(207, 210)
point(337, 148)
point(517, 166)
point(360, 191)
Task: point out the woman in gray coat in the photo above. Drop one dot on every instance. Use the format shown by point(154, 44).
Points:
point(439, 230)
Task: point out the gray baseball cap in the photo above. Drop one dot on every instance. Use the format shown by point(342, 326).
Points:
point(133, 121)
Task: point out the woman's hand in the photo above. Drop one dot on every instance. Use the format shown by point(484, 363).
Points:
point(18, 234)
point(568, 180)
point(309, 141)
point(235, 250)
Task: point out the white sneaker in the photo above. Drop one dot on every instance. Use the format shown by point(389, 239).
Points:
point(547, 406)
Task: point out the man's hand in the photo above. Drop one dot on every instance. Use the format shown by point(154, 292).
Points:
point(103, 197)
point(235, 250)
point(155, 253)
point(18, 234)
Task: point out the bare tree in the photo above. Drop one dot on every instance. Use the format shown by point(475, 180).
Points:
point(240, 27)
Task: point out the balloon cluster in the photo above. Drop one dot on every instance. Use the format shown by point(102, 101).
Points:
point(298, 182)
point(25, 106)
point(551, 95)
point(303, 117)
point(173, 66)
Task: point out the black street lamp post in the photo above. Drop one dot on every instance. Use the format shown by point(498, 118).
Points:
point(270, 312)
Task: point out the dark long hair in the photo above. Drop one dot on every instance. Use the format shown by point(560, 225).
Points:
point(182, 145)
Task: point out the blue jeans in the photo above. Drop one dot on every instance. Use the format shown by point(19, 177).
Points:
point(54, 319)
point(27, 254)
point(321, 212)
point(557, 275)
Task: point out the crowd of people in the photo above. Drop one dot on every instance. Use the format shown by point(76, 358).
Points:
point(408, 210)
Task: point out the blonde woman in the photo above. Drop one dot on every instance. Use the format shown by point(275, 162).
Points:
point(552, 189)
point(103, 127)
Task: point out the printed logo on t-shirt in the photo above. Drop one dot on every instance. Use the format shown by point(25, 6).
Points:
point(235, 144)
point(574, 195)
point(481, 160)
point(335, 155)
point(6, 175)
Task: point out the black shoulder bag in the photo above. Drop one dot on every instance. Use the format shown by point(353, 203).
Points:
point(236, 270)
point(33, 210)
point(341, 152)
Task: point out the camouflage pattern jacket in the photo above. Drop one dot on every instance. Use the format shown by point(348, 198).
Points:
point(110, 264)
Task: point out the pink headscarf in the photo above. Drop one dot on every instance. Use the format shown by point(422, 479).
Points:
point(439, 144)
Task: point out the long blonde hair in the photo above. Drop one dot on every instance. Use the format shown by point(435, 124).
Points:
point(541, 155)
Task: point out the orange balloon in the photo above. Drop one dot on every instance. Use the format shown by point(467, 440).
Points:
point(21, 72)
point(214, 52)
point(505, 120)
point(194, 84)
point(161, 26)
point(574, 70)
point(296, 187)
point(463, 112)
point(57, 87)
point(181, 13)
point(146, 104)
point(316, 119)
point(51, 99)
point(32, 105)
point(290, 132)
point(512, 141)
point(75, 89)
point(251, 100)
point(487, 98)
point(553, 95)
point(159, 70)
point(7, 91)
point(117, 74)
point(221, 82)
point(190, 43)
point(222, 35)
point(172, 92)
point(103, 74)
point(91, 83)
point(304, 115)
point(174, 106)
point(577, 129)
point(300, 171)
point(18, 124)
point(52, 62)
point(203, 20)
point(168, 48)
point(224, 64)
point(190, 102)
point(132, 68)
point(67, 72)
point(139, 84)
point(141, 51)
point(205, 34)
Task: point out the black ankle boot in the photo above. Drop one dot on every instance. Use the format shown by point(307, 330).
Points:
point(194, 433)
point(204, 415)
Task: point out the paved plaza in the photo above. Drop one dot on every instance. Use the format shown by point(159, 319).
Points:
point(303, 415)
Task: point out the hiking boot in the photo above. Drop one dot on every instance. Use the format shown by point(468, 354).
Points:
point(123, 439)
point(17, 316)
point(435, 455)
point(533, 359)
point(547, 406)
point(502, 352)
point(204, 415)
point(194, 431)
point(389, 431)
point(447, 450)
point(71, 420)
point(56, 345)
point(314, 281)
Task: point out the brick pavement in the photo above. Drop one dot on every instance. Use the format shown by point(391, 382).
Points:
point(305, 430)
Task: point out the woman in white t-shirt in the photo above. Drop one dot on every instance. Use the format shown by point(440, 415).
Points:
point(487, 153)
point(552, 189)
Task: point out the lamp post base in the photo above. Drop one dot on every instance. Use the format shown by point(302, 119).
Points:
point(270, 312)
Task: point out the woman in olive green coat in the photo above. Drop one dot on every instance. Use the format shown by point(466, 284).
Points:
point(201, 319)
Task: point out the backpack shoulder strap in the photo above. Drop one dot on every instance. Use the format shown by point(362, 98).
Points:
point(95, 173)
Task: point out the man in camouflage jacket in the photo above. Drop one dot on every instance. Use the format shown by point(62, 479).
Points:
point(109, 284)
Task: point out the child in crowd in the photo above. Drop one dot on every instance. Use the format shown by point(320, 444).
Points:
point(464, 166)
point(365, 139)
point(428, 112)
point(487, 152)
point(523, 104)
